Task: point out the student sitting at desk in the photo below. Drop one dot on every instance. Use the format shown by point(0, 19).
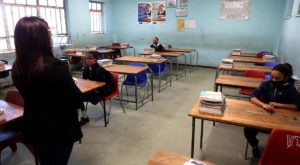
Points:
point(278, 92)
point(93, 71)
point(157, 46)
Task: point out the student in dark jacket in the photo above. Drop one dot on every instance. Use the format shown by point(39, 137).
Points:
point(278, 92)
point(93, 71)
point(156, 45)
point(51, 98)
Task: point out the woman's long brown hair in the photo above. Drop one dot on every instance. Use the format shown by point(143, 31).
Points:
point(33, 42)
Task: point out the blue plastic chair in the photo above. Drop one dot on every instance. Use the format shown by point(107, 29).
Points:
point(159, 70)
point(270, 64)
point(139, 80)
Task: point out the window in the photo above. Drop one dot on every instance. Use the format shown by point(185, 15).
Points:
point(96, 14)
point(289, 9)
point(12, 10)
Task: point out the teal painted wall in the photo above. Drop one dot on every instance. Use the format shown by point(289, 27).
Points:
point(213, 38)
point(289, 48)
point(79, 23)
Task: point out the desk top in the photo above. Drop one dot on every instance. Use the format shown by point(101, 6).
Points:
point(11, 112)
point(141, 59)
point(247, 114)
point(180, 50)
point(240, 67)
point(75, 55)
point(87, 85)
point(168, 158)
point(248, 59)
point(100, 51)
point(166, 54)
point(243, 55)
point(238, 81)
point(7, 67)
point(126, 69)
point(114, 47)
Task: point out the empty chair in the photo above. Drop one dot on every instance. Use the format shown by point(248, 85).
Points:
point(254, 74)
point(5, 74)
point(283, 147)
point(139, 80)
point(270, 64)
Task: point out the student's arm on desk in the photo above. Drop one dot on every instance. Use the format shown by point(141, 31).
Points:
point(267, 107)
point(284, 106)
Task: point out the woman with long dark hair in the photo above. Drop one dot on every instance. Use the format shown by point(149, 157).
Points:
point(51, 98)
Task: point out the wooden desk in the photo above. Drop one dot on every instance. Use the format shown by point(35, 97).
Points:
point(7, 67)
point(242, 68)
point(167, 158)
point(189, 51)
point(147, 60)
point(245, 114)
point(88, 85)
point(248, 59)
point(237, 81)
point(169, 55)
point(118, 48)
point(12, 112)
point(243, 55)
point(133, 71)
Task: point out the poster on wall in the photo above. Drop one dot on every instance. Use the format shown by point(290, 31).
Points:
point(180, 25)
point(184, 3)
point(171, 3)
point(235, 9)
point(152, 12)
point(181, 12)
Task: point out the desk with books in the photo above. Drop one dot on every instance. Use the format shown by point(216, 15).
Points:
point(167, 158)
point(246, 114)
point(147, 60)
point(170, 55)
point(248, 59)
point(243, 55)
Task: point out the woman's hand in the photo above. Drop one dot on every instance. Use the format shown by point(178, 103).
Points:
point(268, 107)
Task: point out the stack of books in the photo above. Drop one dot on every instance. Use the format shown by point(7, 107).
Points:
point(212, 102)
point(236, 52)
point(269, 57)
point(227, 63)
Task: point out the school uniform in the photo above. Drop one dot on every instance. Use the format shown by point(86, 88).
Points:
point(158, 47)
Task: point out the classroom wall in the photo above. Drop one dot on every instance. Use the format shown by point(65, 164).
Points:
point(79, 23)
point(213, 38)
point(289, 48)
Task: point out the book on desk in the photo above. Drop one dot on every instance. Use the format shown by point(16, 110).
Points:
point(212, 102)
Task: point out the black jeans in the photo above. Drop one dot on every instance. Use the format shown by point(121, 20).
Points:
point(54, 154)
point(250, 135)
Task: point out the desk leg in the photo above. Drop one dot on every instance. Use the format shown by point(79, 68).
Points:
point(136, 101)
point(201, 135)
point(196, 65)
point(104, 111)
point(216, 87)
point(171, 72)
point(152, 86)
point(193, 138)
point(184, 65)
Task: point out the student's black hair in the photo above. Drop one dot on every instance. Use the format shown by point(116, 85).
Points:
point(286, 69)
point(94, 54)
point(156, 38)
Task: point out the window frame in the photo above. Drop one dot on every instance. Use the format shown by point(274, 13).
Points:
point(59, 22)
point(101, 21)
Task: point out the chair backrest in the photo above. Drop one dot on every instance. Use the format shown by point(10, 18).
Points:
point(262, 53)
point(158, 68)
point(116, 44)
point(141, 77)
point(14, 97)
point(5, 73)
point(283, 147)
point(271, 63)
point(254, 73)
point(116, 84)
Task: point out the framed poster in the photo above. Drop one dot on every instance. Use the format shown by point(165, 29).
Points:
point(184, 3)
point(181, 12)
point(151, 12)
point(171, 3)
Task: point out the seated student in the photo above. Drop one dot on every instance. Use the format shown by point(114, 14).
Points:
point(278, 92)
point(93, 71)
point(157, 46)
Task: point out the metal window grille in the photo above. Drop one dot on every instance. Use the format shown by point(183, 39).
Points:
point(96, 15)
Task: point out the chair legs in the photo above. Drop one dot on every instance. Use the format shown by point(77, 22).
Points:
point(246, 151)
